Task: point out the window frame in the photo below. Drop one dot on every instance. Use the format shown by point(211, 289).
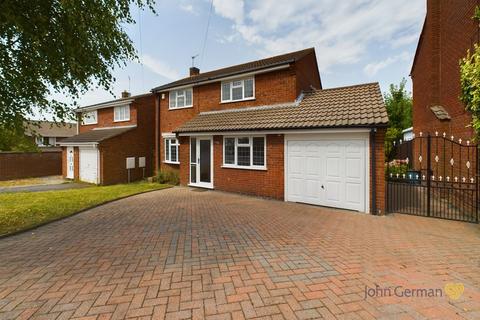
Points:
point(168, 151)
point(242, 80)
point(250, 144)
point(84, 117)
point(127, 113)
point(184, 95)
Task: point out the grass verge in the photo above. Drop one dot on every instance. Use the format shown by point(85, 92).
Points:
point(25, 210)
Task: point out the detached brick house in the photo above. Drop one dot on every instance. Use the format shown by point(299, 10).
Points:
point(267, 128)
point(448, 32)
point(115, 143)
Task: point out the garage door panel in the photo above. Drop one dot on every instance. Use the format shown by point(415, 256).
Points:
point(337, 165)
point(88, 165)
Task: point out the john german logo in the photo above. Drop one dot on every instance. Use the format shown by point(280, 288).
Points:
point(453, 290)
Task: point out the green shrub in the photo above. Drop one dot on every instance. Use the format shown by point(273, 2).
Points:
point(395, 168)
point(167, 177)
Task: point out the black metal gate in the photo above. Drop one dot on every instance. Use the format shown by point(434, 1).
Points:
point(434, 176)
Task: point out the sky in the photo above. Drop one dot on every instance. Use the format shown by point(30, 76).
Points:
point(356, 41)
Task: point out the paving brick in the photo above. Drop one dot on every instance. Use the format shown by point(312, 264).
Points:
point(180, 254)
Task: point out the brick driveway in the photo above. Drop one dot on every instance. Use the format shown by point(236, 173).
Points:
point(180, 254)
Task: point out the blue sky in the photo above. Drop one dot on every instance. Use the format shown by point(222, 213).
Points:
point(356, 41)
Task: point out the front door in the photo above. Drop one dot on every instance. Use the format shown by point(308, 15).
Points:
point(201, 162)
point(70, 163)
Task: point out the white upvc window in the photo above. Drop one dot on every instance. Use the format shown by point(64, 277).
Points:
point(121, 113)
point(171, 150)
point(238, 90)
point(89, 117)
point(246, 152)
point(181, 99)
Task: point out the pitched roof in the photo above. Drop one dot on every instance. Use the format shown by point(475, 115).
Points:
point(354, 106)
point(239, 69)
point(96, 135)
point(112, 103)
point(50, 129)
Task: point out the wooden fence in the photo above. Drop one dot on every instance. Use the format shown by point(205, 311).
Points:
point(18, 165)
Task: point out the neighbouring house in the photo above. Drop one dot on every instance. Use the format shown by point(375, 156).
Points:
point(408, 134)
point(268, 128)
point(48, 134)
point(115, 143)
point(448, 32)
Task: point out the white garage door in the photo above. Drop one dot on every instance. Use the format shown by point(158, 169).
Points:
point(328, 170)
point(89, 165)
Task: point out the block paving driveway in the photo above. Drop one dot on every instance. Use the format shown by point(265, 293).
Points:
point(184, 254)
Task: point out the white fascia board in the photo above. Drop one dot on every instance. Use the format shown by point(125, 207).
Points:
point(105, 105)
point(304, 131)
point(236, 76)
point(78, 144)
point(168, 135)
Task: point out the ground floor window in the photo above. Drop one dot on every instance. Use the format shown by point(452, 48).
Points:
point(244, 152)
point(171, 150)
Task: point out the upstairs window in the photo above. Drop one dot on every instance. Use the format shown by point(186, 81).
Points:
point(238, 90)
point(171, 150)
point(181, 99)
point(121, 113)
point(89, 117)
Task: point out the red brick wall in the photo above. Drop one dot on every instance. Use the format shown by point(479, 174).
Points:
point(380, 188)
point(105, 117)
point(18, 165)
point(307, 73)
point(447, 35)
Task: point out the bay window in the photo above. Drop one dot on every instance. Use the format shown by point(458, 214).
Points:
point(238, 90)
point(181, 98)
point(244, 152)
point(171, 150)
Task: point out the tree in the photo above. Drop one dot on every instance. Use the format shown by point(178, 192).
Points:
point(50, 47)
point(14, 139)
point(399, 108)
point(470, 82)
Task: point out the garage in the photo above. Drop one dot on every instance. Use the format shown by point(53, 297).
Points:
point(328, 169)
point(88, 164)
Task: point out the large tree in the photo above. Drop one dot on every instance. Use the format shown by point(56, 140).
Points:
point(470, 82)
point(399, 108)
point(59, 46)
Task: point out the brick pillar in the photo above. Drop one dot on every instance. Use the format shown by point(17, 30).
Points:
point(380, 191)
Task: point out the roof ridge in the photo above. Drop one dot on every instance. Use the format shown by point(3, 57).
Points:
point(350, 86)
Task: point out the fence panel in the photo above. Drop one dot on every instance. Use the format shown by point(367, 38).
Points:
point(18, 165)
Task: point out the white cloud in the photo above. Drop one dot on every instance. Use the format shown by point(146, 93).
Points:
point(341, 31)
point(373, 68)
point(159, 67)
point(230, 9)
point(188, 8)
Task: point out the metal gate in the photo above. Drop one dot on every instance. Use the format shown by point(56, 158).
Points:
point(434, 176)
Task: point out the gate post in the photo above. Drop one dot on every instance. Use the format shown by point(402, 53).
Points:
point(429, 168)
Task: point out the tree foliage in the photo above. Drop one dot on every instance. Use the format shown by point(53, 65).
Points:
point(470, 82)
point(399, 108)
point(51, 47)
point(14, 139)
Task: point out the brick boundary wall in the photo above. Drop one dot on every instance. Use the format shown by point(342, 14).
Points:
point(18, 165)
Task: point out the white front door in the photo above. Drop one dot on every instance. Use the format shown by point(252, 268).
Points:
point(70, 163)
point(201, 162)
point(327, 170)
point(89, 165)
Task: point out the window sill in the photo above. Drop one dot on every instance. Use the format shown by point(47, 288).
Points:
point(171, 162)
point(121, 120)
point(233, 101)
point(173, 109)
point(89, 124)
point(244, 168)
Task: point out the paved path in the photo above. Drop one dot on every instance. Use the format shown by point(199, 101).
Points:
point(44, 187)
point(178, 254)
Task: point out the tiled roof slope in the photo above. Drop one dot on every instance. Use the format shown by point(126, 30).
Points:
point(96, 135)
point(50, 129)
point(354, 106)
point(238, 69)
